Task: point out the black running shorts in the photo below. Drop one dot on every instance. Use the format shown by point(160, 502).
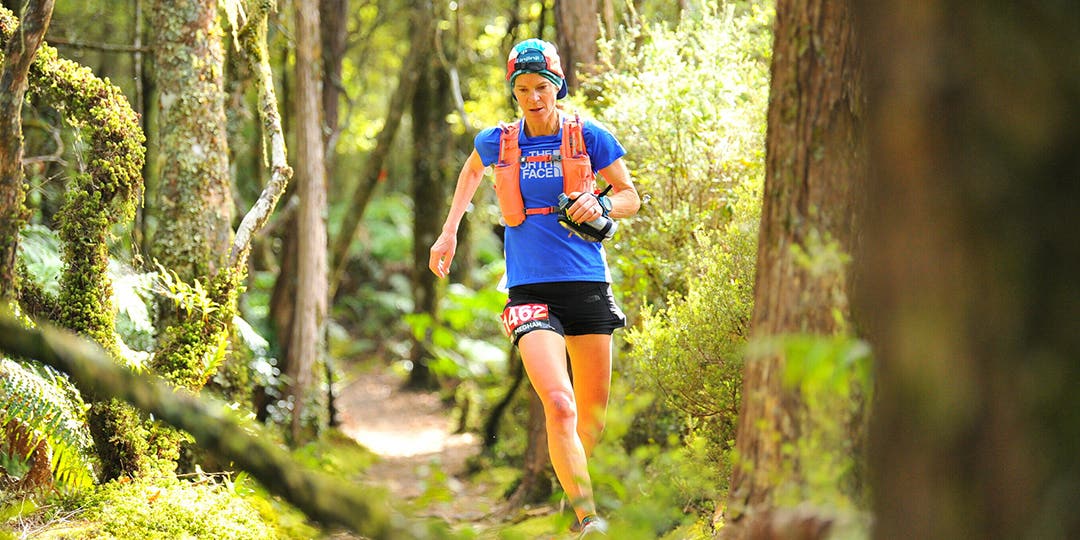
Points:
point(569, 308)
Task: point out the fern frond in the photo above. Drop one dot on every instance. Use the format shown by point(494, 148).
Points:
point(42, 404)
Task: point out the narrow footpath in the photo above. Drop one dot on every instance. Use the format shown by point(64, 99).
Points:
point(411, 432)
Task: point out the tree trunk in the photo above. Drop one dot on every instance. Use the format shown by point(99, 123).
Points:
point(18, 55)
point(431, 143)
point(333, 35)
point(971, 265)
point(813, 165)
point(577, 25)
point(194, 225)
point(193, 231)
point(305, 344)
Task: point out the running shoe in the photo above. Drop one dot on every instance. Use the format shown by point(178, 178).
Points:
point(593, 526)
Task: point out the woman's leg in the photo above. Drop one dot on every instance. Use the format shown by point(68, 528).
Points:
point(544, 356)
point(590, 360)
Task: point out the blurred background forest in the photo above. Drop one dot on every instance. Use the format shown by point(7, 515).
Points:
point(239, 196)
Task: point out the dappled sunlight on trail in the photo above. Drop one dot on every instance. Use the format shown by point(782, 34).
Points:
point(411, 432)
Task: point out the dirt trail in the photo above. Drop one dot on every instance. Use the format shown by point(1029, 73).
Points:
point(412, 434)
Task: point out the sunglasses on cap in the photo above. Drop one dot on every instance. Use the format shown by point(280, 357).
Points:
point(533, 60)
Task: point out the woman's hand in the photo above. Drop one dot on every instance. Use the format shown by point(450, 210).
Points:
point(442, 254)
point(586, 207)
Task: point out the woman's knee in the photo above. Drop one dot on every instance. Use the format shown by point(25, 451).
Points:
point(560, 406)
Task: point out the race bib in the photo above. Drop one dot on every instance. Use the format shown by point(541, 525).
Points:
point(524, 314)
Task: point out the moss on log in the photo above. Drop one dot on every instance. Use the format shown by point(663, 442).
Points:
point(328, 500)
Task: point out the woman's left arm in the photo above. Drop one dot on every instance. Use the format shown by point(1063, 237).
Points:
point(624, 197)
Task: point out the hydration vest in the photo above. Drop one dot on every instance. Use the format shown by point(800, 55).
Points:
point(572, 157)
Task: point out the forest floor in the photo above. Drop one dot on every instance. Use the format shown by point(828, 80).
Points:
point(421, 461)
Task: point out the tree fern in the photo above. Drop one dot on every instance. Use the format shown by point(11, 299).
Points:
point(42, 405)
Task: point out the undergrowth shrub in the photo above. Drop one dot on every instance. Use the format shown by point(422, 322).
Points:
point(833, 376)
point(651, 490)
point(689, 106)
point(690, 353)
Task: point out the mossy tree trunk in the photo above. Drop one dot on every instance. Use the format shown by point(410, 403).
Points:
point(813, 167)
point(971, 269)
point(99, 196)
point(194, 205)
point(194, 230)
point(17, 58)
point(330, 500)
point(306, 335)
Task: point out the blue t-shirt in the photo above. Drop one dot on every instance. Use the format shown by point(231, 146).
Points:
point(540, 250)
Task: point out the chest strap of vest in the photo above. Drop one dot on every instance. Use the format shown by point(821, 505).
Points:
point(554, 158)
point(542, 211)
point(572, 145)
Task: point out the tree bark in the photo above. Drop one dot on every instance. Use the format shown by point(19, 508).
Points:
point(253, 44)
point(333, 35)
point(305, 344)
point(970, 271)
point(18, 56)
point(577, 27)
point(194, 220)
point(813, 166)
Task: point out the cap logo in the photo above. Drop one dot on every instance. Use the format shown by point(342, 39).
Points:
point(531, 55)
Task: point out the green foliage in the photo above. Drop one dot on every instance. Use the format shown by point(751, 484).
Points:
point(833, 377)
point(40, 253)
point(335, 453)
point(133, 294)
point(44, 406)
point(251, 364)
point(195, 343)
point(463, 343)
point(689, 106)
point(690, 352)
point(190, 298)
point(377, 288)
point(39, 250)
point(653, 489)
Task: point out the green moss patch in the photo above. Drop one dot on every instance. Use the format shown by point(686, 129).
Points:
point(171, 508)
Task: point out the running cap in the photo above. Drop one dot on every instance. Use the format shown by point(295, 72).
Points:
point(536, 56)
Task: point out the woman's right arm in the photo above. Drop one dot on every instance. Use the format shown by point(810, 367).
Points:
point(442, 251)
